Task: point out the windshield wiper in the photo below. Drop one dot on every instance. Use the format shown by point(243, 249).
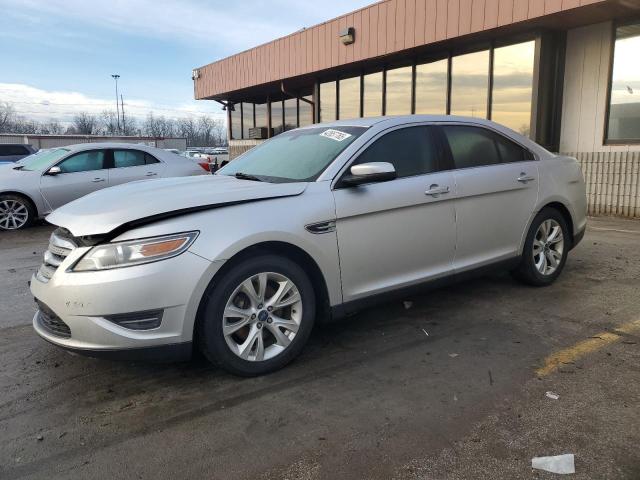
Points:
point(19, 167)
point(247, 176)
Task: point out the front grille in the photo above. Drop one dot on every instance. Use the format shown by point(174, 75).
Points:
point(61, 244)
point(50, 322)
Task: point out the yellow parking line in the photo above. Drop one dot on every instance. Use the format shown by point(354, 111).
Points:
point(580, 349)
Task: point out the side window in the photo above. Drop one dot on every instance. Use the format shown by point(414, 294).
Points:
point(128, 158)
point(150, 159)
point(83, 162)
point(412, 151)
point(478, 147)
point(510, 151)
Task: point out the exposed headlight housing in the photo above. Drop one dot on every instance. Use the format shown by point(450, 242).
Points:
point(134, 252)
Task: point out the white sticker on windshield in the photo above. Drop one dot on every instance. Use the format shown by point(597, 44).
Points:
point(336, 135)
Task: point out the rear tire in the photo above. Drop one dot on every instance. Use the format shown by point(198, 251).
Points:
point(16, 212)
point(258, 317)
point(545, 249)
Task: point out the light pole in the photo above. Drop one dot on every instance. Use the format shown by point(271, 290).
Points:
point(116, 77)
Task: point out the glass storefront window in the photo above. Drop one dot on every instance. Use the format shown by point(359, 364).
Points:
point(349, 98)
point(305, 111)
point(276, 117)
point(327, 101)
point(431, 88)
point(372, 95)
point(624, 106)
point(470, 84)
point(247, 119)
point(398, 95)
point(513, 86)
point(236, 122)
point(290, 113)
point(262, 115)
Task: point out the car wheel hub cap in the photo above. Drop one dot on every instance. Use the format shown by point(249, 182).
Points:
point(13, 214)
point(548, 247)
point(262, 316)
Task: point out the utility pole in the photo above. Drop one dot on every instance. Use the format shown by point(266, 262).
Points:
point(116, 77)
point(124, 125)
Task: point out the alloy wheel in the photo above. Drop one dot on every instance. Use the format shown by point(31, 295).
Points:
point(13, 214)
point(548, 247)
point(262, 316)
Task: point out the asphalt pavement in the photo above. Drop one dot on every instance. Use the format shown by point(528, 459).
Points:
point(451, 385)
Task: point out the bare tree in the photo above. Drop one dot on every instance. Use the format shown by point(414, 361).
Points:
point(109, 122)
point(84, 123)
point(7, 117)
point(52, 127)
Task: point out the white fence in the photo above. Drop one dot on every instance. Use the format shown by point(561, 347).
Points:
point(613, 182)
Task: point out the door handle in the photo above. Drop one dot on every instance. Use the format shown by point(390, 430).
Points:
point(151, 174)
point(98, 180)
point(435, 190)
point(524, 178)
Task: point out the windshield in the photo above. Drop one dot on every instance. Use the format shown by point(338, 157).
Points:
point(294, 156)
point(42, 159)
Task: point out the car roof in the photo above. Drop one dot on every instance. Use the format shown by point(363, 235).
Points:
point(78, 147)
point(401, 119)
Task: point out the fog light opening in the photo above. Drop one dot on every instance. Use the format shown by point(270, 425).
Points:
point(147, 320)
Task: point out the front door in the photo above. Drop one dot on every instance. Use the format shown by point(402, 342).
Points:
point(497, 190)
point(80, 174)
point(401, 232)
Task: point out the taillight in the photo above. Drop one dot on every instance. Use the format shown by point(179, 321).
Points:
point(205, 165)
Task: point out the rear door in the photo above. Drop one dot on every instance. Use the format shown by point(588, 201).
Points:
point(132, 164)
point(81, 173)
point(401, 232)
point(497, 189)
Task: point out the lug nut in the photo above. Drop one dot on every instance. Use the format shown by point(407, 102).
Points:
point(259, 325)
point(253, 316)
point(260, 306)
point(269, 320)
point(269, 309)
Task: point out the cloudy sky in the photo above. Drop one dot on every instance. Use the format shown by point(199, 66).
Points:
point(57, 56)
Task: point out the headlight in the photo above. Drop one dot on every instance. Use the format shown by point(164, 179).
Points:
point(134, 252)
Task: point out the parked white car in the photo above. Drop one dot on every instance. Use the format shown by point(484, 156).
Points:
point(38, 184)
point(315, 222)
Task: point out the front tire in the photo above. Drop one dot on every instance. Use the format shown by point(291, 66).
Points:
point(258, 316)
point(545, 249)
point(16, 212)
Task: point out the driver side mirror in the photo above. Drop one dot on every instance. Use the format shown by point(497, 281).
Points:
point(369, 173)
point(53, 171)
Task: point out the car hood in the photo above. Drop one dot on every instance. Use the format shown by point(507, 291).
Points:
point(137, 203)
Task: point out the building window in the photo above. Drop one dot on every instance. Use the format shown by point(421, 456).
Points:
point(305, 111)
point(277, 117)
point(262, 115)
point(470, 84)
point(290, 113)
point(431, 87)
point(513, 86)
point(349, 101)
point(247, 119)
point(328, 101)
point(372, 95)
point(236, 122)
point(624, 103)
point(398, 97)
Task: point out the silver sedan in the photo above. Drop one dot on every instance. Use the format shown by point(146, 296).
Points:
point(316, 222)
point(38, 184)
